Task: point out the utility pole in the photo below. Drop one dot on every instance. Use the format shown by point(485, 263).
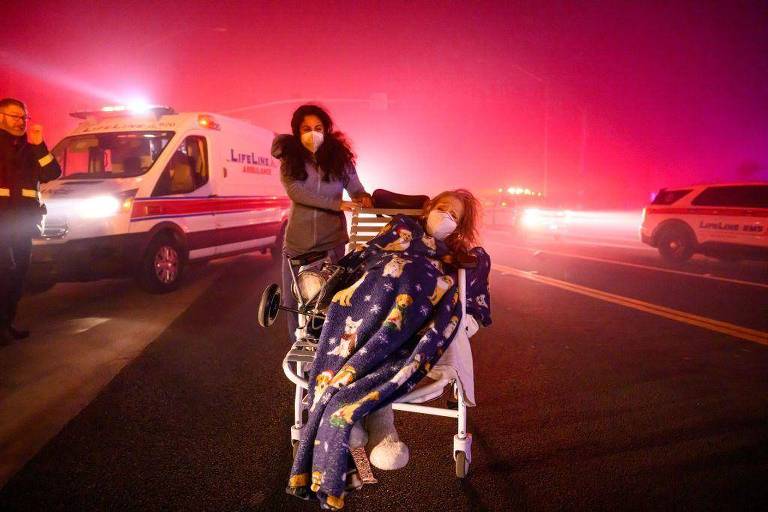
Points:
point(545, 188)
point(583, 148)
point(545, 84)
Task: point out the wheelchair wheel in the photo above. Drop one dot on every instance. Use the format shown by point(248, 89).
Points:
point(462, 465)
point(269, 305)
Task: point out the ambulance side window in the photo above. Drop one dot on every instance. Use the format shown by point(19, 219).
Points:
point(186, 171)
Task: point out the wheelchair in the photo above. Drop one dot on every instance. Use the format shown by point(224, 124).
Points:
point(315, 280)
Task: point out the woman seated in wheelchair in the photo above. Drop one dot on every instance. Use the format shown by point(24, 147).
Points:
point(388, 326)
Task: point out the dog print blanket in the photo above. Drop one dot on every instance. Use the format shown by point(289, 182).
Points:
point(382, 334)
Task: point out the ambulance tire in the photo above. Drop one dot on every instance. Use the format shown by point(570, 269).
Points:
point(676, 244)
point(162, 266)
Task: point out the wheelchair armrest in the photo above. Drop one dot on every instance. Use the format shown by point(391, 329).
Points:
point(307, 258)
point(463, 260)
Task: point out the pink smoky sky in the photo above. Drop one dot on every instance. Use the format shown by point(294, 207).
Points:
point(600, 102)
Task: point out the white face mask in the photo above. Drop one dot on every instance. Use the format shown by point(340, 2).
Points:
point(440, 224)
point(312, 140)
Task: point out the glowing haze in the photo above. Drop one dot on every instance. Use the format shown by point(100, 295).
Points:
point(639, 96)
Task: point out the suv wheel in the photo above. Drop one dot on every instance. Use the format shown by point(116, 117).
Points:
point(162, 265)
point(676, 245)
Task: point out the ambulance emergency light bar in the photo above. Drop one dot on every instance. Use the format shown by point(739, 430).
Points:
point(122, 110)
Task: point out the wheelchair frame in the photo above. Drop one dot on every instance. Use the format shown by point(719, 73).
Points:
point(366, 223)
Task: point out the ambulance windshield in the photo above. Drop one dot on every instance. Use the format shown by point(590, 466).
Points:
point(109, 155)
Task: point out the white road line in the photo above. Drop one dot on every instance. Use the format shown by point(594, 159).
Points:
point(636, 265)
point(711, 324)
point(591, 242)
point(607, 244)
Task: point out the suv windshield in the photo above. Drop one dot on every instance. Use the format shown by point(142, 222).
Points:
point(109, 155)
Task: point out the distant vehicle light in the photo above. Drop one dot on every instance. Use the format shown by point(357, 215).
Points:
point(532, 217)
point(520, 191)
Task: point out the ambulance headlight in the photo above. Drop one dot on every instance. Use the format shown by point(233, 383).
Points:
point(98, 207)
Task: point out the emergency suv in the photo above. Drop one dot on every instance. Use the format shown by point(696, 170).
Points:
point(144, 192)
point(726, 220)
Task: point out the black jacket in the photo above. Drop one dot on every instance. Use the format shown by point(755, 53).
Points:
point(23, 166)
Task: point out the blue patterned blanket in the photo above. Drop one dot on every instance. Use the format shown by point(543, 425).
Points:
point(382, 334)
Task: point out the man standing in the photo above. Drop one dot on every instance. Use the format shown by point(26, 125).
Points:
point(24, 163)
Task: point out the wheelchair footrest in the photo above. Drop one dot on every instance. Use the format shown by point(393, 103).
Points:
point(300, 356)
point(302, 351)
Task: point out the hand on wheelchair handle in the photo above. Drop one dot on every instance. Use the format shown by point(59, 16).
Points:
point(348, 206)
point(364, 201)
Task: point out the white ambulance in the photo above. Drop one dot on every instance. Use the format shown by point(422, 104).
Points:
point(144, 192)
point(725, 220)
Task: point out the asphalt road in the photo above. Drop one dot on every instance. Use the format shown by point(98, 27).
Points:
point(584, 403)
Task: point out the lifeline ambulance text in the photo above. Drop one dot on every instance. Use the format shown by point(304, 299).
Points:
point(253, 164)
point(730, 227)
point(250, 158)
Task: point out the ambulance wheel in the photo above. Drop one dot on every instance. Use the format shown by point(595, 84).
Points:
point(269, 305)
point(676, 245)
point(462, 466)
point(162, 265)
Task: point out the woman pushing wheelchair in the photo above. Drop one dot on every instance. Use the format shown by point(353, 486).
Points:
point(317, 165)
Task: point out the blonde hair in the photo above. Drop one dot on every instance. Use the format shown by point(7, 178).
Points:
point(465, 236)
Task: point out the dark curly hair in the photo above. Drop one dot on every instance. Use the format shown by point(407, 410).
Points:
point(333, 157)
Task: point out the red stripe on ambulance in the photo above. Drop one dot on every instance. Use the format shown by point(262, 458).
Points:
point(199, 206)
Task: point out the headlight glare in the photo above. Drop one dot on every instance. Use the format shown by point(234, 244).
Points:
point(98, 207)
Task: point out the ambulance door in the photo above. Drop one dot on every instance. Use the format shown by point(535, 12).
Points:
point(248, 216)
point(183, 196)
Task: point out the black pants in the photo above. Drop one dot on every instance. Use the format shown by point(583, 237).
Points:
point(14, 264)
point(288, 299)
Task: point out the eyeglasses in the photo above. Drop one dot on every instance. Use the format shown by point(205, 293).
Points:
point(24, 118)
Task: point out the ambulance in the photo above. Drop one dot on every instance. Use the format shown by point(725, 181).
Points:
point(145, 191)
point(725, 220)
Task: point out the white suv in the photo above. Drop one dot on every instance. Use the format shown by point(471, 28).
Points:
point(726, 220)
